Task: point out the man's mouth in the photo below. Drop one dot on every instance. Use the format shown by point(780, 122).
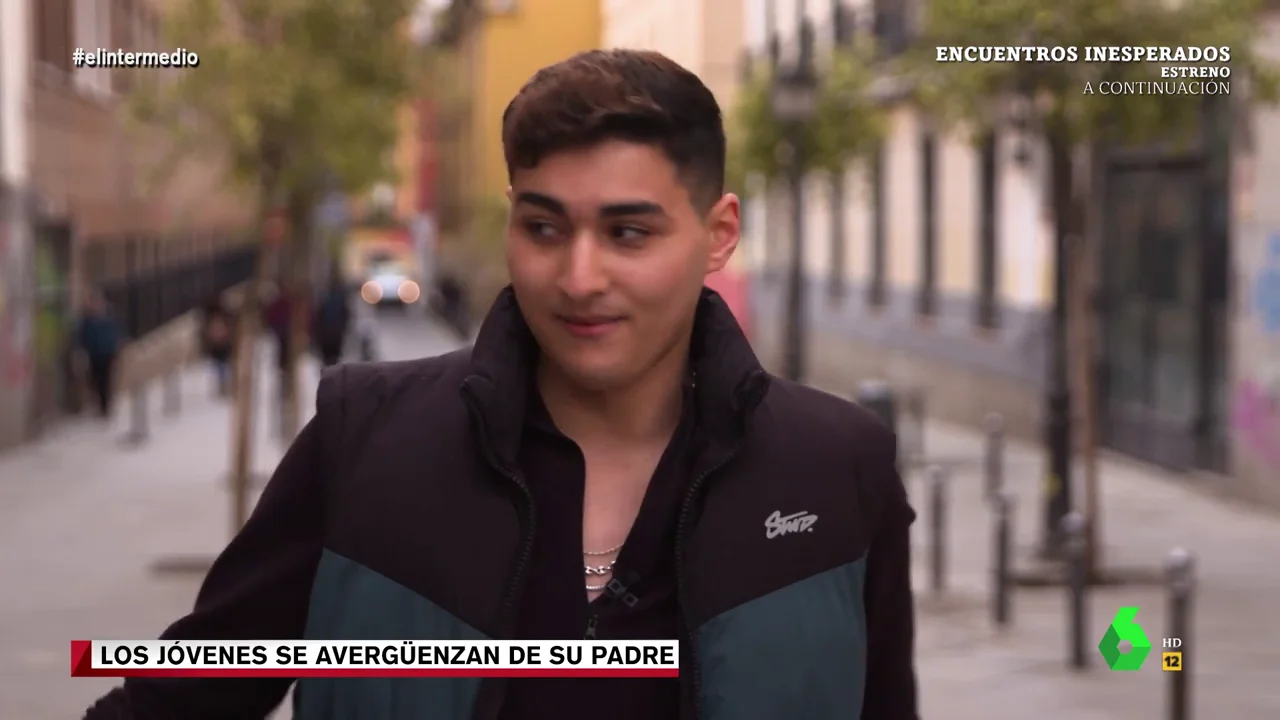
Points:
point(588, 326)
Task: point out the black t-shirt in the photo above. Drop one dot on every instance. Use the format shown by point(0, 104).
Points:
point(554, 604)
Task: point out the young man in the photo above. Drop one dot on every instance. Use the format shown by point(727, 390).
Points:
point(609, 461)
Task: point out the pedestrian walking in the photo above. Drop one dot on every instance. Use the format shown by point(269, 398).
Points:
point(331, 323)
point(98, 336)
point(278, 318)
point(609, 461)
point(218, 339)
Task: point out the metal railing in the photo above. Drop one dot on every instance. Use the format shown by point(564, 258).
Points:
point(153, 281)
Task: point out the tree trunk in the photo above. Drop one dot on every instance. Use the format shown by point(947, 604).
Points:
point(1071, 204)
point(241, 479)
point(299, 273)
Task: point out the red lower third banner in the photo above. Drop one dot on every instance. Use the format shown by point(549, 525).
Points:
point(373, 658)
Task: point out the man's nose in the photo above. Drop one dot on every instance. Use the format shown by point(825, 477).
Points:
point(584, 274)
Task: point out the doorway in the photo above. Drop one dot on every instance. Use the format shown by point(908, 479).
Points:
point(1162, 312)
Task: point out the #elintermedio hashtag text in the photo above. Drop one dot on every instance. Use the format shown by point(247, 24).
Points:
point(104, 58)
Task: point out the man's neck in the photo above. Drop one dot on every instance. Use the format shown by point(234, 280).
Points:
point(645, 411)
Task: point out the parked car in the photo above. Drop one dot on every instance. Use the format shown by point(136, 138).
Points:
point(390, 283)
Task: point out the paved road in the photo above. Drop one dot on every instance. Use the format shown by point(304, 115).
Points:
point(82, 520)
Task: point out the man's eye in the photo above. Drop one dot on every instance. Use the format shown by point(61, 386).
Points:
point(539, 228)
point(629, 233)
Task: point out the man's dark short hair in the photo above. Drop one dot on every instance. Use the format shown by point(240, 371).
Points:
point(632, 95)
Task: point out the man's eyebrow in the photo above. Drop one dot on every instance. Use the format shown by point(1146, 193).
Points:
point(546, 202)
point(618, 209)
point(631, 208)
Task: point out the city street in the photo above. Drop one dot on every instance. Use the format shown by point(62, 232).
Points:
point(82, 520)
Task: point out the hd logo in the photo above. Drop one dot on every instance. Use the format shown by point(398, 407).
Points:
point(1124, 628)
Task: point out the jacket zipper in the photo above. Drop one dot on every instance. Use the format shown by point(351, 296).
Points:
point(613, 590)
point(682, 528)
point(695, 679)
point(516, 580)
point(526, 547)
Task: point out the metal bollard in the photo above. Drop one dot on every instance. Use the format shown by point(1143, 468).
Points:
point(173, 393)
point(937, 529)
point(993, 423)
point(1002, 570)
point(1180, 575)
point(915, 410)
point(139, 430)
point(1073, 532)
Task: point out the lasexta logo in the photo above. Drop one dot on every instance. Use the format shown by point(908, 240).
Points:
point(1123, 628)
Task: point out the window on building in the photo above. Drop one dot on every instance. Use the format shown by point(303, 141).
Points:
point(988, 309)
point(835, 279)
point(53, 23)
point(879, 261)
point(927, 299)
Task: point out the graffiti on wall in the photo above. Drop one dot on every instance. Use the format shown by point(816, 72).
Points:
point(1257, 401)
point(1266, 289)
point(1257, 419)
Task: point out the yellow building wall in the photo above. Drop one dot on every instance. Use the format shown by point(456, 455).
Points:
point(957, 215)
point(902, 198)
point(512, 46)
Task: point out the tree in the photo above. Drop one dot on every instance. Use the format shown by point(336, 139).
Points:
point(1063, 104)
point(293, 92)
point(846, 126)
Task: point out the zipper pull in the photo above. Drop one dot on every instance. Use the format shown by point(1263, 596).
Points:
point(591, 628)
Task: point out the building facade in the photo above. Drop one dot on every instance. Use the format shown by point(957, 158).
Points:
point(507, 41)
point(90, 181)
point(931, 266)
point(1254, 394)
point(15, 225)
point(926, 266)
point(705, 36)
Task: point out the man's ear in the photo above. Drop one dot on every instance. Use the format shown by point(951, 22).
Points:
point(508, 194)
point(724, 222)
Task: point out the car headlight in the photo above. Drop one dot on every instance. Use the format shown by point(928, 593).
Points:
point(409, 292)
point(371, 292)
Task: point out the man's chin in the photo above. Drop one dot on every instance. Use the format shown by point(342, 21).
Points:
point(598, 375)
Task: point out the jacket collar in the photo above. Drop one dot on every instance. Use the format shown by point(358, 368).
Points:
point(730, 381)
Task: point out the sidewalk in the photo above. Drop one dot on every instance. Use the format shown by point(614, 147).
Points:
point(83, 518)
point(970, 670)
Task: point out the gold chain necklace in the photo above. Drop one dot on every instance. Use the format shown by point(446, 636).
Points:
point(599, 570)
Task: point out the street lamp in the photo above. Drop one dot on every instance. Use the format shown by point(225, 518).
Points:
point(794, 100)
